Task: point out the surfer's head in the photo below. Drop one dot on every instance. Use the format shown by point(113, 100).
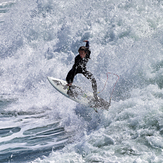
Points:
point(82, 51)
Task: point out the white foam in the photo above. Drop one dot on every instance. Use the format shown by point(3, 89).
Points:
point(41, 38)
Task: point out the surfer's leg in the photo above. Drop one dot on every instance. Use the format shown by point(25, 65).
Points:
point(90, 77)
point(70, 76)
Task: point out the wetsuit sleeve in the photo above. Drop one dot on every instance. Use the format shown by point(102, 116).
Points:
point(88, 51)
point(87, 44)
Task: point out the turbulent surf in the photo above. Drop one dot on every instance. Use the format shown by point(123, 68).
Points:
point(40, 38)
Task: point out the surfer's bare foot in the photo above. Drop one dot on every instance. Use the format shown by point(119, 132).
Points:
point(69, 84)
point(70, 91)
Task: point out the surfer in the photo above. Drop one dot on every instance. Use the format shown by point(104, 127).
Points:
point(80, 67)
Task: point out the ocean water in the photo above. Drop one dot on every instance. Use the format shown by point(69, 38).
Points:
point(40, 38)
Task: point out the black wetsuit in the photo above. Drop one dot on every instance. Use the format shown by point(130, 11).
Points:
point(80, 67)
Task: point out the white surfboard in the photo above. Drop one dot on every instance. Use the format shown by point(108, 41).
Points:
point(84, 98)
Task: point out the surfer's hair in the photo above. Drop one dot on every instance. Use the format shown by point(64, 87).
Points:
point(83, 48)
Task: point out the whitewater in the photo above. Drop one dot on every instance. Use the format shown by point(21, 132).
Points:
point(40, 38)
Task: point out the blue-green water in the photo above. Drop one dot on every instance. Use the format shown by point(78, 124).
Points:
point(40, 38)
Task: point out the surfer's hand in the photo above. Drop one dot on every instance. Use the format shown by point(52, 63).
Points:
point(85, 41)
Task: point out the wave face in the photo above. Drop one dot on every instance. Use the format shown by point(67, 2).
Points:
point(40, 38)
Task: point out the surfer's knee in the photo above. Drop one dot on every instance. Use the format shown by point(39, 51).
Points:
point(93, 81)
point(86, 73)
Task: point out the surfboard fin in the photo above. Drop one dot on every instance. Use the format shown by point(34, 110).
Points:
point(95, 110)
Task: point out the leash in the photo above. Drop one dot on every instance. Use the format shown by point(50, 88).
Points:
point(113, 86)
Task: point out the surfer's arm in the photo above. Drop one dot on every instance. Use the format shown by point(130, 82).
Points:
point(87, 43)
point(87, 46)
